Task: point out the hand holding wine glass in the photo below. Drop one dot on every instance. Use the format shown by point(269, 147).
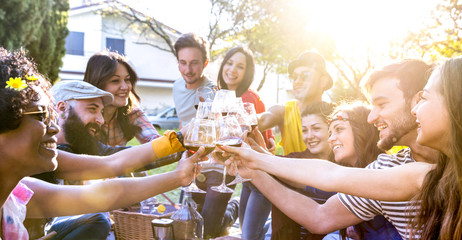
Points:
point(201, 133)
point(229, 134)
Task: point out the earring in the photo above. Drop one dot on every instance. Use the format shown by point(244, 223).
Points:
point(62, 115)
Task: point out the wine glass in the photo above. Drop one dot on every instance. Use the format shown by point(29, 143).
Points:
point(224, 102)
point(204, 110)
point(244, 120)
point(229, 134)
point(249, 108)
point(201, 133)
point(203, 94)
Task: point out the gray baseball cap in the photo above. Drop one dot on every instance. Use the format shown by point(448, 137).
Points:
point(77, 89)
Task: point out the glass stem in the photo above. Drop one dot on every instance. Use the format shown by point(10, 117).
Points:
point(194, 179)
point(224, 176)
point(237, 171)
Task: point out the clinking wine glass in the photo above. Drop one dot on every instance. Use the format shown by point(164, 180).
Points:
point(229, 134)
point(201, 133)
point(204, 110)
point(244, 121)
point(203, 94)
point(249, 108)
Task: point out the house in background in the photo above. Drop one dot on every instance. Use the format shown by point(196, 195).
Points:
point(91, 32)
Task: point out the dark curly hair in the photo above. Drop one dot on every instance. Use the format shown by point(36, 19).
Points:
point(13, 103)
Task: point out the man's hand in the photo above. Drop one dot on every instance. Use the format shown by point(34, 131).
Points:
point(187, 167)
point(272, 146)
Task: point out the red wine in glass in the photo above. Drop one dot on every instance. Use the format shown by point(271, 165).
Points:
point(196, 106)
point(195, 148)
point(233, 142)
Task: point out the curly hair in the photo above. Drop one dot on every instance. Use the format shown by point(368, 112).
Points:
point(13, 103)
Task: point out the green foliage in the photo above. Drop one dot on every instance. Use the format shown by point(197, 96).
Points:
point(441, 36)
point(38, 26)
point(48, 49)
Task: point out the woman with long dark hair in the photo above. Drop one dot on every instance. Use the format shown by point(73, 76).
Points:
point(236, 73)
point(123, 119)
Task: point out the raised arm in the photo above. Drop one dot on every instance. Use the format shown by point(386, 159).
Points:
point(82, 167)
point(57, 200)
point(317, 218)
point(394, 184)
point(274, 116)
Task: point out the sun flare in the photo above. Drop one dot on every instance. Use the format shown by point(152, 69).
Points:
point(366, 23)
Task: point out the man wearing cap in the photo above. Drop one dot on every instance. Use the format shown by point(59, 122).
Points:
point(79, 106)
point(310, 79)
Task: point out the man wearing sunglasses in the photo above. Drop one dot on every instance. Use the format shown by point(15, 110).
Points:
point(309, 81)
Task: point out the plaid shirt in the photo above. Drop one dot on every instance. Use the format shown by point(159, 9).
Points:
point(136, 117)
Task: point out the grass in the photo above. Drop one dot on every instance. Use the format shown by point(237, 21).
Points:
point(174, 195)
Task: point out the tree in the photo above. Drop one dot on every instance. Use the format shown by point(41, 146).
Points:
point(49, 47)
point(20, 20)
point(38, 26)
point(441, 36)
point(274, 30)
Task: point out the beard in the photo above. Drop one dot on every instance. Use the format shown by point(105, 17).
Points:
point(77, 134)
point(397, 130)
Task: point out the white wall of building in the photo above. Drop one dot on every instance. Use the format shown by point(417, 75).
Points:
point(156, 69)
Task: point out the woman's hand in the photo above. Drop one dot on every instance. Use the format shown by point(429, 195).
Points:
point(248, 157)
point(243, 171)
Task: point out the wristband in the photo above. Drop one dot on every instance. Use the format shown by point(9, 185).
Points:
point(167, 144)
point(180, 137)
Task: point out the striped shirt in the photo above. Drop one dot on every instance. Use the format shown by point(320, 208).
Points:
point(395, 212)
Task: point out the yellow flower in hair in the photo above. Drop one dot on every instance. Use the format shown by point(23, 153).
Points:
point(31, 78)
point(16, 83)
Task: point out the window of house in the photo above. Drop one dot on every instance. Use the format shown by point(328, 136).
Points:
point(116, 45)
point(74, 43)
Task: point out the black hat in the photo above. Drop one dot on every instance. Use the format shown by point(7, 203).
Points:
point(311, 59)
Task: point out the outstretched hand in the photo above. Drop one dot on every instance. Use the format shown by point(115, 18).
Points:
point(246, 156)
point(256, 141)
point(186, 165)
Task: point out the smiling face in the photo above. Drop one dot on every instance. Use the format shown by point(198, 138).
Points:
point(433, 116)
point(307, 84)
point(341, 141)
point(390, 114)
point(315, 134)
point(33, 144)
point(191, 65)
point(234, 70)
point(90, 112)
point(120, 86)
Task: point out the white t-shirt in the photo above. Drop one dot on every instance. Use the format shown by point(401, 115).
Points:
point(184, 99)
point(395, 212)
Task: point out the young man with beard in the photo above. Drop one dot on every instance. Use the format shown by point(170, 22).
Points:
point(192, 54)
point(393, 90)
point(310, 79)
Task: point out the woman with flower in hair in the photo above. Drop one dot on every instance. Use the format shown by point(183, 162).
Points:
point(123, 119)
point(28, 147)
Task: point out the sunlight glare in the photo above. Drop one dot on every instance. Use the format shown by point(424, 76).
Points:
point(366, 23)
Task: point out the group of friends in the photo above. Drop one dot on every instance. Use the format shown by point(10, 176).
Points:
point(337, 172)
